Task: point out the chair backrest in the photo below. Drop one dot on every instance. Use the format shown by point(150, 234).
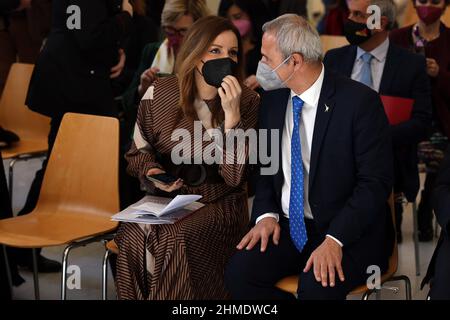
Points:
point(14, 114)
point(332, 42)
point(82, 172)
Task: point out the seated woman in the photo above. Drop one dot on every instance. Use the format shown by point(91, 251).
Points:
point(438, 271)
point(186, 260)
point(158, 58)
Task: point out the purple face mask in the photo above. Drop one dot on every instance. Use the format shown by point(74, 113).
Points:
point(243, 25)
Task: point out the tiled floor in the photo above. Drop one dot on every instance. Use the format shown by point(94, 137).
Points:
point(89, 258)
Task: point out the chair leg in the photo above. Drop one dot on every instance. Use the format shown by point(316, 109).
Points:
point(407, 282)
point(8, 270)
point(12, 163)
point(105, 275)
point(367, 295)
point(67, 250)
point(36, 275)
point(416, 238)
point(378, 294)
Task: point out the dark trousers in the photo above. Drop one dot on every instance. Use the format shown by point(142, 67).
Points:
point(5, 212)
point(253, 275)
point(440, 286)
point(23, 256)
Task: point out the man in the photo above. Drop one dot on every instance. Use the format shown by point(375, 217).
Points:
point(440, 263)
point(392, 71)
point(323, 215)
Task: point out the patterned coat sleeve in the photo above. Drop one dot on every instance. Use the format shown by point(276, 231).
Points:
point(236, 155)
point(142, 157)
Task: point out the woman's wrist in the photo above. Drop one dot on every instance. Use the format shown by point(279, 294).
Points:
point(231, 121)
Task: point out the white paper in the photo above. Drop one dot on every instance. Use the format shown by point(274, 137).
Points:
point(160, 206)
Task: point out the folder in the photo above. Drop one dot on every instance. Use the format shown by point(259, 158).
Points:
point(397, 109)
point(159, 210)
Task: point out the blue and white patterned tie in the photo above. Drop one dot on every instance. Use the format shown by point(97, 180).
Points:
point(296, 202)
point(366, 74)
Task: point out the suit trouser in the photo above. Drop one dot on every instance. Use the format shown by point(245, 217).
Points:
point(253, 275)
point(440, 287)
point(5, 212)
point(24, 255)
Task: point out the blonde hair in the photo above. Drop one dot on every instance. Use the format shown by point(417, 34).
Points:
point(196, 43)
point(175, 9)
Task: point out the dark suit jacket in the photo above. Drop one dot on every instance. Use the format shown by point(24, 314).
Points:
point(73, 69)
point(441, 206)
point(405, 76)
point(8, 5)
point(351, 167)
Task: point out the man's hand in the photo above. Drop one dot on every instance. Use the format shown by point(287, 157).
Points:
point(262, 231)
point(118, 68)
point(325, 260)
point(432, 68)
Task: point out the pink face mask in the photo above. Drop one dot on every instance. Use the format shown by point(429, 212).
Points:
point(429, 14)
point(243, 25)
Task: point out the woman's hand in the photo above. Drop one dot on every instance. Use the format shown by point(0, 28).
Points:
point(118, 68)
point(432, 68)
point(126, 6)
point(251, 82)
point(147, 78)
point(167, 188)
point(230, 95)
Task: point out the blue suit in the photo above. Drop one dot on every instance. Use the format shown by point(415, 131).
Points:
point(351, 177)
point(404, 76)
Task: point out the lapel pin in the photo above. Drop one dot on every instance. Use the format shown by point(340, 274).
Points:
point(327, 108)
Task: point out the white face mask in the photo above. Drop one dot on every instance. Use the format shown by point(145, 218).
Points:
point(268, 78)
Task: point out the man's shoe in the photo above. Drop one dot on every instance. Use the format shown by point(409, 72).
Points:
point(44, 265)
point(17, 280)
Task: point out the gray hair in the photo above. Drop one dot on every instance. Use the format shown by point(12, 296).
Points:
point(295, 34)
point(388, 9)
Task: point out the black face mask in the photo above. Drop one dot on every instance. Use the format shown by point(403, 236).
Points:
point(356, 33)
point(215, 70)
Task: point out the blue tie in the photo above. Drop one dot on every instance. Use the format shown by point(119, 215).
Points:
point(366, 74)
point(296, 209)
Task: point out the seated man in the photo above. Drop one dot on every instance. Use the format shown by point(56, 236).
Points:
point(324, 214)
point(392, 71)
point(438, 271)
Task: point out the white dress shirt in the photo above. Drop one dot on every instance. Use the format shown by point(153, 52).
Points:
point(308, 118)
point(379, 60)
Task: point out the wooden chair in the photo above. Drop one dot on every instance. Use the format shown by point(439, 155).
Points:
point(31, 127)
point(79, 194)
point(290, 284)
point(332, 42)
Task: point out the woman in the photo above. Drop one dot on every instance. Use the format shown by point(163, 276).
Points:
point(186, 260)
point(430, 37)
point(248, 16)
point(158, 58)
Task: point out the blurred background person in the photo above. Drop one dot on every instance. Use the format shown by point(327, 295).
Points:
point(73, 74)
point(279, 7)
point(22, 31)
point(438, 275)
point(248, 16)
point(372, 59)
point(142, 32)
point(431, 38)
